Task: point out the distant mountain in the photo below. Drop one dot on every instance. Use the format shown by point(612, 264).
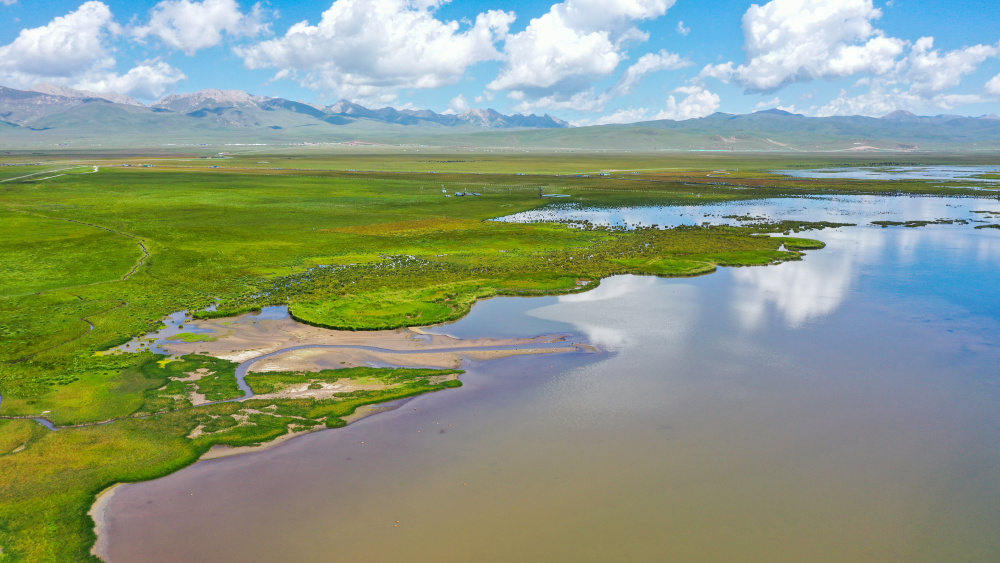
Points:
point(209, 99)
point(50, 107)
point(492, 119)
point(776, 111)
point(486, 118)
point(114, 97)
point(240, 109)
point(50, 114)
point(21, 107)
point(902, 115)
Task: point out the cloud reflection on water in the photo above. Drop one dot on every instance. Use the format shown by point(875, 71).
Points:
point(810, 289)
point(799, 292)
point(627, 311)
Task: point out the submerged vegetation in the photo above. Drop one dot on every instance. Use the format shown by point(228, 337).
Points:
point(91, 261)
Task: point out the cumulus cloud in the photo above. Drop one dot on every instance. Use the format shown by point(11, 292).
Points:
point(368, 49)
point(72, 50)
point(627, 83)
point(457, 105)
point(878, 101)
point(993, 86)
point(698, 102)
point(191, 26)
point(625, 115)
point(918, 83)
point(928, 71)
point(772, 103)
point(8, 2)
point(789, 41)
point(647, 64)
point(682, 29)
point(66, 47)
point(885, 97)
point(795, 40)
point(148, 80)
point(722, 71)
point(561, 53)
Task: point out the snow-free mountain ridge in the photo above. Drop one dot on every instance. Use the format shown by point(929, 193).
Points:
point(57, 115)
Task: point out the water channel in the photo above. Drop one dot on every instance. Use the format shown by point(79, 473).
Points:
point(841, 408)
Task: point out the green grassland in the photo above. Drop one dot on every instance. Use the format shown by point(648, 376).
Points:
point(90, 261)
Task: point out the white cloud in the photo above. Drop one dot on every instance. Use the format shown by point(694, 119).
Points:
point(698, 102)
point(993, 86)
point(458, 104)
point(148, 81)
point(772, 103)
point(887, 96)
point(648, 63)
point(486, 96)
point(723, 72)
point(67, 47)
point(928, 71)
point(630, 115)
point(951, 101)
point(789, 41)
point(876, 102)
point(627, 83)
point(8, 2)
point(682, 29)
point(72, 51)
point(368, 49)
point(191, 26)
point(795, 40)
point(561, 53)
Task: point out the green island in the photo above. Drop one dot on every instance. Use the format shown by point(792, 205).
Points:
point(355, 240)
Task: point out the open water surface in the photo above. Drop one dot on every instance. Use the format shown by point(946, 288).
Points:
point(938, 173)
point(841, 408)
point(835, 209)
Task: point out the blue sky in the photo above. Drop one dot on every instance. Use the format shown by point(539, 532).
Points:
point(587, 61)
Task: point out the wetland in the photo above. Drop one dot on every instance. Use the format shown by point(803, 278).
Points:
point(550, 378)
point(724, 406)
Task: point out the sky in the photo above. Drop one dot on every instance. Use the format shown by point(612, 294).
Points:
point(585, 61)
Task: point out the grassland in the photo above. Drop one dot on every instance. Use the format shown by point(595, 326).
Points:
point(91, 260)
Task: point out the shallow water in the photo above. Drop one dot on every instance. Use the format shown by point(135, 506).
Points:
point(938, 173)
point(836, 209)
point(841, 408)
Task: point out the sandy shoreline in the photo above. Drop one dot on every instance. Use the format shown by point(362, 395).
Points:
point(245, 338)
point(98, 513)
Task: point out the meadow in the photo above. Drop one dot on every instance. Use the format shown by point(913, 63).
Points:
point(349, 239)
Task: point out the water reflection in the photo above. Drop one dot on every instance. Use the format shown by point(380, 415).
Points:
point(801, 292)
point(611, 317)
point(805, 291)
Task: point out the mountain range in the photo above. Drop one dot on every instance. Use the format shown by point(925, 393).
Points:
point(35, 109)
point(53, 115)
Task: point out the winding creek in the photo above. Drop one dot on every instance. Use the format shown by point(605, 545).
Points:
point(243, 368)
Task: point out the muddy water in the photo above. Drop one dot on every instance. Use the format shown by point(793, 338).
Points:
point(842, 408)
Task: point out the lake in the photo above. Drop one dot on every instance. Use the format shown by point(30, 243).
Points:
point(845, 407)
